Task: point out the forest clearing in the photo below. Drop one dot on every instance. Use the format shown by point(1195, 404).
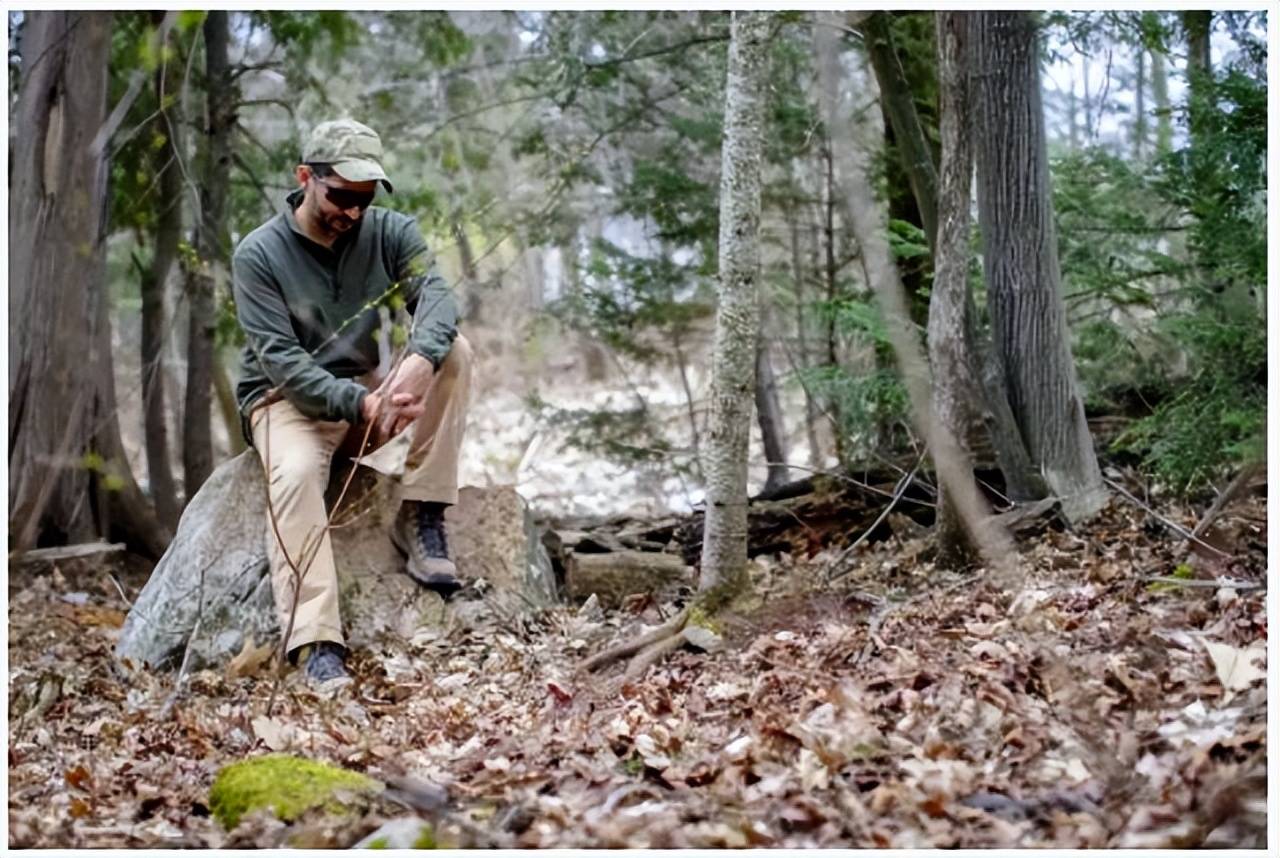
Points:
point(649, 429)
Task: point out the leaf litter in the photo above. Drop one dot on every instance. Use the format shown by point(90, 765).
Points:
point(902, 708)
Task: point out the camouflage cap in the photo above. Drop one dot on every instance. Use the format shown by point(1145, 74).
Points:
point(353, 150)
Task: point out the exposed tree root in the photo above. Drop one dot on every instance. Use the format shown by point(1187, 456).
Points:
point(647, 648)
point(651, 655)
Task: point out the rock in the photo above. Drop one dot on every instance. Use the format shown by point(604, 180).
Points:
point(288, 785)
point(493, 536)
point(211, 591)
point(407, 832)
point(614, 576)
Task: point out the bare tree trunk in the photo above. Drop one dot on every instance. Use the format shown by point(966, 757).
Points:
point(1140, 105)
point(955, 387)
point(470, 275)
point(724, 546)
point(68, 477)
point(811, 415)
point(895, 95)
point(773, 433)
point(830, 271)
point(1160, 95)
point(868, 218)
point(227, 408)
point(213, 241)
point(168, 232)
point(1024, 295)
point(1198, 25)
point(1087, 101)
point(690, 401)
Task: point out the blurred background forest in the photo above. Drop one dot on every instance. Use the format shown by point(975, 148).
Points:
point(565, 168)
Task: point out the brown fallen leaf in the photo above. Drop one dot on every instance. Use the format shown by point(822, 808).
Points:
point(250, 659)
point(78, 777)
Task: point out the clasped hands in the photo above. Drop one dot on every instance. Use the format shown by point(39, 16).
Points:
point(398, 401)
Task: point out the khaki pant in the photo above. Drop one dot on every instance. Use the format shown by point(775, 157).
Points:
point(298, 452)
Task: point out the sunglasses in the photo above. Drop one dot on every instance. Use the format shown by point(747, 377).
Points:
point(344, 198)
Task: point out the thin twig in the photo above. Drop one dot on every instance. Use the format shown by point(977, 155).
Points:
point(903, 483)
point(1174, 526)
point(1201, 582)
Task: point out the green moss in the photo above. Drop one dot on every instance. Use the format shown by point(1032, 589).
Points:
point(379, 843)
point(701, 617)
point(426, 838)
point(288, 785)
point(1182, 571)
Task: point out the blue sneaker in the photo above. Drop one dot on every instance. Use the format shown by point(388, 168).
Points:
point(324, 661)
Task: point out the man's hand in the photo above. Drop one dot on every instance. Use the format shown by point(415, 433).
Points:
point(389, 415)
point(398, 401)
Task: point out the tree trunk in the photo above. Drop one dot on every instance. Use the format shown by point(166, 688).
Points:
point(773, 433)
point(830, 270)
point(955, 390)
point(896, 98)
point(1086, 100)
point(724, 547)
point(811, 415)
point(1024, 296)
point(868, 218)
point(1140, 105)
point(1160, 95)
point(68, 478)
point(225, 393)
point(168, 232)
point(213, 245)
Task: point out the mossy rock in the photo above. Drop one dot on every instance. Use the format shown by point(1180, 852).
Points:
point(288, 785)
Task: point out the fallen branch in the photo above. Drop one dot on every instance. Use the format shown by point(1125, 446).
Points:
point(1172, 525)
point(1201, 582)
point(1230, 493)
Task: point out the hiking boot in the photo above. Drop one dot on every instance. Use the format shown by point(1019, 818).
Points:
point(324, 662)
point(419, 535)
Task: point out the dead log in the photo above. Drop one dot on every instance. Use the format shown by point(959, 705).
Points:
point(614, 576)
point(211, 591)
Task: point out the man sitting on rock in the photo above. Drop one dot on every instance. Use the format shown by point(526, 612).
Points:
point(308, 284)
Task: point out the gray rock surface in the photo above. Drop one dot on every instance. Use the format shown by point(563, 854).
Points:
point(211, 591)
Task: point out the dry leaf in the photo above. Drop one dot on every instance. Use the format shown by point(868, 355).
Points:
point(250, 658)
point(1235, 667)
point(274, 734)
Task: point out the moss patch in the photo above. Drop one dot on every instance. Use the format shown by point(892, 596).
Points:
point(288, 785)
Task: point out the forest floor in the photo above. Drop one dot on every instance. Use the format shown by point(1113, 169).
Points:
point(896, 707)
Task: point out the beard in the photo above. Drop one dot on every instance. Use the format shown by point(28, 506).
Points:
point(338, 224)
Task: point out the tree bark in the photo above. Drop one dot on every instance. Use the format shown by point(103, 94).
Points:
point(724, 547)
point(830, 271)
point(1024, 296)
point(213, 249)
point(168, 232)
point(68, 478)
point(955, 390)
point(896, 98)
point(1160, 95)
point(1140, 105)
point(773, 431)
point(811, 415)
point(868, 218)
